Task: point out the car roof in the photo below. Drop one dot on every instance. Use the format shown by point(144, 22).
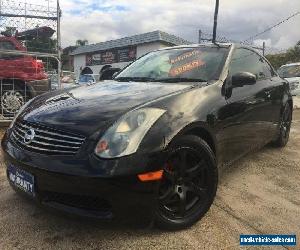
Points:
point(291, 64)
point(226, 45)
point(212, 45)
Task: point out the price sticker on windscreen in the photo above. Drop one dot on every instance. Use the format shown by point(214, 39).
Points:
point(185, 63)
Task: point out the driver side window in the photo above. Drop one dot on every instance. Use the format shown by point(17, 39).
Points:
point(7, 45)
point(245, 60)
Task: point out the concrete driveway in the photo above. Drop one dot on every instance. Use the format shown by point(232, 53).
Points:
point(259, 194)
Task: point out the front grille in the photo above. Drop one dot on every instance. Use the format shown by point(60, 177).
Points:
point(77, 201)
point(46, 140)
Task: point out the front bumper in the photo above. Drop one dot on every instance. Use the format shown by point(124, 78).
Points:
point(85, 193)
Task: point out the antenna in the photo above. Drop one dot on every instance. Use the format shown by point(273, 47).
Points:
point(215, 21)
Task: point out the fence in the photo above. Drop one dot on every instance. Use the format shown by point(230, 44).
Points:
point(24, 75)
point(29, 52)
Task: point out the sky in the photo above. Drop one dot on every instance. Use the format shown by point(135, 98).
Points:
point(102, 20)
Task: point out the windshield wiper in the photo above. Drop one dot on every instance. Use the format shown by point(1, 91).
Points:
point(134, 79)
point(180, 79)
point(149, 79)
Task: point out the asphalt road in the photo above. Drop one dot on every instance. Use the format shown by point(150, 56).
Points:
point(259, 194)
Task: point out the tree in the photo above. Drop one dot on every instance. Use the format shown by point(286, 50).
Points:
point(66, 59)
point(290, 56)
point(80, 42)
point(42, 44)
point(10, 31)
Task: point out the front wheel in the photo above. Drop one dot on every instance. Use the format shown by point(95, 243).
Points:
point(189, 183)
point(285, 126)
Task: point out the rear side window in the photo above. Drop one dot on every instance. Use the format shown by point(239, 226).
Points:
point(244, 60)
point(6, 45)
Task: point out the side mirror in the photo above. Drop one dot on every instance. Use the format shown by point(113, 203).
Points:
point(115, 74)
point(109, 73)
point(243, 78)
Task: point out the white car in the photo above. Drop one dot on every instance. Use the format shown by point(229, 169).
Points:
point(67, 80)
point(88, 78)
point(291, 72)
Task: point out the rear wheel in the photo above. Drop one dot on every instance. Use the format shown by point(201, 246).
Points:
point(12, 99)
point(189, 183)
point(285, 126)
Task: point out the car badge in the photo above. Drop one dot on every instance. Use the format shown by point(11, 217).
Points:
point(29, 136)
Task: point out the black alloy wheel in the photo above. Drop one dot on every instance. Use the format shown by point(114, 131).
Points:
point(189, 183)
point(285, 127)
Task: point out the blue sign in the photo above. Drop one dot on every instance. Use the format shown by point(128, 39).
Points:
point(267, 240)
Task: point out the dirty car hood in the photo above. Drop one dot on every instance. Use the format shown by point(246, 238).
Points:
point(88, 108)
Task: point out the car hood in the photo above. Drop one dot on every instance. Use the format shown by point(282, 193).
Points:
point(86, 109)
point(293, 79)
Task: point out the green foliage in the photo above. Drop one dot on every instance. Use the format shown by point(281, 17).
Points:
point(10, 31)
point(42, 44)
point(82, 42)
point(66, 59)
point(290, 56)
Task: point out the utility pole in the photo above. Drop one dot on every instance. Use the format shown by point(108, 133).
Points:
point(215, 21)
point(58, 46)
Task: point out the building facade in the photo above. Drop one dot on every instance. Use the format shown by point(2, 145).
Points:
point(90, 59)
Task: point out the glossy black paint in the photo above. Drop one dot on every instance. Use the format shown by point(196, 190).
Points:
point(243, 78)
point(233, 121)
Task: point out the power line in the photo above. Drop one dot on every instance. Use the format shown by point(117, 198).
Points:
point(223, 39)
point(270, 28)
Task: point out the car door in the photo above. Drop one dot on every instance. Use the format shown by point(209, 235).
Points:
point(245, 117)
point(275, 89)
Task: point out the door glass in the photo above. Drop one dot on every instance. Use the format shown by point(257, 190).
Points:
point(6, 45)
point(244, 60)
point(268, 71)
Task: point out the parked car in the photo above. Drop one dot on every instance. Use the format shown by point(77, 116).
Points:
point(152, 141)
point(67, 80)
point(68, 77)
point(88, 78)
point(291, 72)
point(21, 76)
point(108, 73)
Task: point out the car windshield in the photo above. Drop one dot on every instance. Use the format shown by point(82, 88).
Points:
point(289, 71)
point(85, 78)
point(184, 64)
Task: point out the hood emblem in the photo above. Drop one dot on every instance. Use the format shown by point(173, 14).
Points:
point(29, 136)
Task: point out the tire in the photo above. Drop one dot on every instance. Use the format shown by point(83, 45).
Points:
point(13, 97)
point(284, 127)
point(187, 190)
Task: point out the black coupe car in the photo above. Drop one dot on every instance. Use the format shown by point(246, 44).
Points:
point(151, 141)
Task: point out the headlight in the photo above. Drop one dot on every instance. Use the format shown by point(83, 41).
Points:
point(125, 136)
point(19, 112)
